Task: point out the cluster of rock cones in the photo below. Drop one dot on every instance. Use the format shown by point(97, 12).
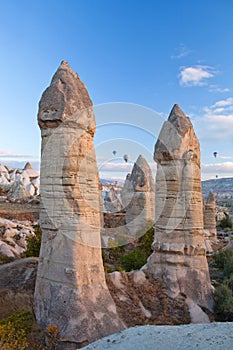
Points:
point(71, 290)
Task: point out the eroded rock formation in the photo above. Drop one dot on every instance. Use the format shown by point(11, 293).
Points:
point(138, 197)
point(71, 290)
point(210, 216)
point(179, 248)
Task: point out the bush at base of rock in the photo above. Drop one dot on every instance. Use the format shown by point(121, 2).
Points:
point(134, 260)
point(34, 243)
point(224, 261)
point(223, 303)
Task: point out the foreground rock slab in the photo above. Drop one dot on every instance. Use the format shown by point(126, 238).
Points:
point(216, 336)
point(71, 291)
point(179, 256)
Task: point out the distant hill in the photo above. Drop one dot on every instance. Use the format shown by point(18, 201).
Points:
point(220, 186)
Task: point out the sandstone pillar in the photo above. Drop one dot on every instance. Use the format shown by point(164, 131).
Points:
point(179, 248)
point(71, 291)
point(209, 216)
point(138, 197)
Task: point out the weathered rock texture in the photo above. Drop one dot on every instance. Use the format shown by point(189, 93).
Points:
point(210, 215)
point(179, 248)
point(71, 290)
point(19, 184)
point(112, 201)
point(138, 197)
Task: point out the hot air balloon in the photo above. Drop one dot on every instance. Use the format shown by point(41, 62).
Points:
point(126, 158)
point(114, 152)
point(215, 154)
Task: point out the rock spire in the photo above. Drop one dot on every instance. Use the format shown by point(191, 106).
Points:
point(71, 291)
point(138, 197)
point(179, 248)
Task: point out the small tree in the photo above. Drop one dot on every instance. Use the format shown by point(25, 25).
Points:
point(226, 222)
point(223, 303)
point(34, 243)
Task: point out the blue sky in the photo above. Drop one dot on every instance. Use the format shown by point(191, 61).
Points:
point(148, 53)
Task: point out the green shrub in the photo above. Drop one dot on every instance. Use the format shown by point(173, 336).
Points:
point(133, 260)
point(34, 243)
point(11, 338)
point(4, 259)
point(229, 282)
point(223, 303)
point(224, 260)
point(226, 223)
point(14, 330)
point(146, 241)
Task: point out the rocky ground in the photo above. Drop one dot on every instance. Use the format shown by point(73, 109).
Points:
point(20, 211)
point(214, 336)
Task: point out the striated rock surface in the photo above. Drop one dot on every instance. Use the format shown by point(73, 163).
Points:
point(179, 248)
point(138, 197)
point(71, 290)
point(210, 215)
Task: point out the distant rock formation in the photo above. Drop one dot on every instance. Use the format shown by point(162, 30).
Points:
point(210, 229)
point(179, 248)
point(112, 201)
point(210, 215)
point(138, 197)
point(19, 184)
point(71, 290)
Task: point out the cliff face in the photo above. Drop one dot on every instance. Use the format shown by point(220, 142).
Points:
point(71, 291)
point(179, 247)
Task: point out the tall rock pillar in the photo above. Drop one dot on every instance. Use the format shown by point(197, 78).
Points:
point(138, 197)
point(209, 216)
point(71, 291)
point(179, 248)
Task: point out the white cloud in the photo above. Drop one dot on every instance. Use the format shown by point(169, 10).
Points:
point(195, 76)
point(115, 167)
point(14, 156)
point(222, 103)
point(121, 167)
point(180, 52)
point(218, 168)
point(216, 88)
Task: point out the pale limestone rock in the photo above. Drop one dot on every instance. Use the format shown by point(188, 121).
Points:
point(196, 313)
point(138, 197)
point(4, 183)
point(71, 290)
point(13, 237)
point(10, 233)
point(8, 251)
point(28, 169)
point(116, 279)
point(139, 277)
point(179, 247)
point(18, 190)
point(112, 201)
